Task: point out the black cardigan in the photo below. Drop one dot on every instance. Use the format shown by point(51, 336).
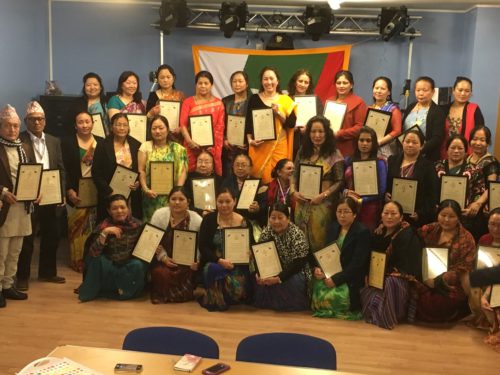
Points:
point(434, 133)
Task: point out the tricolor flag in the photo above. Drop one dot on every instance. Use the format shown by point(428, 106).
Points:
point(323, 63)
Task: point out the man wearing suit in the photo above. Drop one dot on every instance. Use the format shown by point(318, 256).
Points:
point(45, 149)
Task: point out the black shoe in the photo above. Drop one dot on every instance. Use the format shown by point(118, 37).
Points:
point(13, 293)
point(53, 279)
point(22, 285)
point(3, 303)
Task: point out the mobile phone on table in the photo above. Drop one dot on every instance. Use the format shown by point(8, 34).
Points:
point(216, 369)
point(128, 367)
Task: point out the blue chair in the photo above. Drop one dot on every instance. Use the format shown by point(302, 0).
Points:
point(290, 349)
point(171, 340)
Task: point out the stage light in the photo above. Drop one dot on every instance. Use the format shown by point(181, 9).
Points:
point(393, 21)
point(335, 4)
point(172, 13)
point(232, 17)
point(317, 20)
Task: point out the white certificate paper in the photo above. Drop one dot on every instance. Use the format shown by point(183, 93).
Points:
point(162, 176)
point(335, 112)
point(87, 192)
point(267, 259)
point(202, 130)
point(122, 178)
point(495, 296)
point(148, 242)
point(404, 191)
point(248, 193)
point(237, 245)
point(138, 126)
point(376, 276)
point(329, 260)
point(454, 187)
point(184, 247)
point(364, 174)
point(98, 125)
point(378, 120)
point(235, 130)
point(434, 262)
point(29, 177)
point(204, 193)
point(171, 110)
point(263, 124)
point(306, 108)
point(51, 188)
point(310, 178)
point(494, 195)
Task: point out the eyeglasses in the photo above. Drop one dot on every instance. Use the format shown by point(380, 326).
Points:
point(241, 165)
point(344, 212)
point(36, 119)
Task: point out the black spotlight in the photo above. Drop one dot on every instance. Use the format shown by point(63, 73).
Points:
point(232, 17)
point(393, 21)
point(317, 20)
point(172, 13)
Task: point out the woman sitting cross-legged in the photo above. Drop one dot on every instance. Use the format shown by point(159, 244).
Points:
point(171, 282)
point(338, 296)
point(287, 291)
point(110, 269)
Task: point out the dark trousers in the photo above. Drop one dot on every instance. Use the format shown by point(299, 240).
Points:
point(45, 219)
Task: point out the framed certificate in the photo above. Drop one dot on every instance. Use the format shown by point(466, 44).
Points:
point(434, 262)
point(98, 125)
point(146, 245)
point(204, 193)
point(454, 187)
point(414, 127)
point(87, 192)
point(28, 179)
point(171, 109)
point(138, 126)
point(236, 247)
point(184, 245)
point(495, 296)
point(263, 124)
point(162, 176)
point(494, 195)
point(364, 175)
point(487, 257)
point(248, 193)
point(378, 120)
point(202, 130)
point(310, 179)
point(235, 130)
point(306, 108)
point(404, 191)
point(335, 112)
point(266, 259)
point(51, 187)
point(376, 275)
point(122, 178)
point(328, 259)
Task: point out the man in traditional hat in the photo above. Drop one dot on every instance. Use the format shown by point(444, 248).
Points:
point(15, 220)
point(46, 149)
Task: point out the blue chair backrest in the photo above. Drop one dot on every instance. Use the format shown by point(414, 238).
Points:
point(290, 349)
point(171, 340)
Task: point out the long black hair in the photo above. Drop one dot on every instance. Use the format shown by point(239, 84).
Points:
point(327, 148)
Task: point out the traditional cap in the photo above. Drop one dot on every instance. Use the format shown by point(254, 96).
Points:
point(34, 107)
point(9, 112)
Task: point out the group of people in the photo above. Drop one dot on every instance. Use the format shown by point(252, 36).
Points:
point(422, 144)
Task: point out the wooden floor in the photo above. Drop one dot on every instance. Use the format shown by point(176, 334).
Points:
point(53, 316)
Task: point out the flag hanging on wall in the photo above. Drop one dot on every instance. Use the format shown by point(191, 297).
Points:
point(323, 63)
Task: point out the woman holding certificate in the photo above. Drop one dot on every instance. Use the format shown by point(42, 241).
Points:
point(288, 291)
point(427, 116)
point(173, 280)
point(154, 156)
point(353, 115)
point(110, 269)
point(78, 156)
point(129, 98)
point(226, 283)
point(337, 296)
point(203, 104)
point(270, 122)
point(442, 298)
point(279, 189)
point(118, 149)
point(402, 248)
point(319, 158)
point(382, 101)
point(366, 177)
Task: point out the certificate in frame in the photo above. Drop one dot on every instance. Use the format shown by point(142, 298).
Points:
point(487, 256)
point(493, 195)
point(376, 275)
point(404, 191)
point(28, 181)
point(235, 130)
point(365, 177)
point(379, 121)
point(147, 243)
point(264, 128)
point(248, 193)
point(87, 192)
point(201, 129)
point(51, 189)
point(236, 247)
point(434, 262)
point(171, 109)
point(401, 137)
point(184, 247)
point(266, 259)
point(454, 187)
point(203, 193)
point(122, 178)
point(138, 125)
point(335, 112)
point(162, 176)
point(306, 108)
point(328, 259)
point(310, 180)
point(98, 128)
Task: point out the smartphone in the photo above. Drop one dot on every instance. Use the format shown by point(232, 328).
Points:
point(216, 369)
point(128, 367)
